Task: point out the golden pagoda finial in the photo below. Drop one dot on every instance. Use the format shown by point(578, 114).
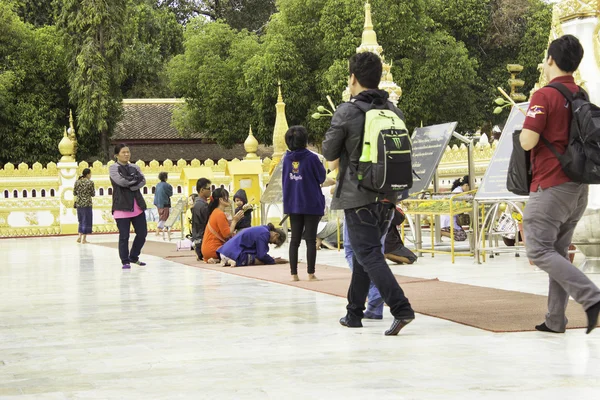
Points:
point(71, 132)
point(251, 146)
point(369, 36)
point(66, 148)
point(281, 127)
point(279, 96)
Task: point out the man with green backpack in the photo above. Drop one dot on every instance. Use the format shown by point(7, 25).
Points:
point(370, 139)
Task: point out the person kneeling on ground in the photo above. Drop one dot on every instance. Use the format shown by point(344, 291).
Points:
point(394, 247)
point(251, 245)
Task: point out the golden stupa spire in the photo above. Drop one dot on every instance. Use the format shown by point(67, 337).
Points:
point(281, 127)
point(369, 43)
point(71, 132)
point(369, 36)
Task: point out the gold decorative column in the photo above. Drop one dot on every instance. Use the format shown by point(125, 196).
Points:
point(281, 127)
point(369, 43)
point(67, 169)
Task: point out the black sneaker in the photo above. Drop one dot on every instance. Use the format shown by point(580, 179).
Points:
point(350, 323)
point(138, 262)
point(592, 314)
point(397, 326)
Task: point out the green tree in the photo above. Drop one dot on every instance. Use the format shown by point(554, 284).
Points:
point(210, 75)
point(239, 14)
point(95, 36)
point(33, 91)
point(35, 12)
point(155, 37)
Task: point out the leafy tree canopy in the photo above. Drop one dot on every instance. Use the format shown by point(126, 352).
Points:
point(33, 91)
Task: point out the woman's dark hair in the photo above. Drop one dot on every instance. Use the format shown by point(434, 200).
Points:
point(162, 176)
point(460, 181)
point(296, 138)
point(85, 172)
point(280, 233)
point(119, 147)
point(217, 194)
point(567, 52)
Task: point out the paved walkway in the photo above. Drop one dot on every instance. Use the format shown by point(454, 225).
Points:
point(73, 325)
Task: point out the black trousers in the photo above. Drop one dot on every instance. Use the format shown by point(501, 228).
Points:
point(366, 226)
point(307, 224)
point(141, 230)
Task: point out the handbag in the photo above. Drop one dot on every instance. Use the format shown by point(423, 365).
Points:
point(518, 179)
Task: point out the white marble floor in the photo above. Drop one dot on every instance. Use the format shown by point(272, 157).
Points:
point(73, 325)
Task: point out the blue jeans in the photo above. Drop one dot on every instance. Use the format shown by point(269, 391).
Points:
point(375, 301)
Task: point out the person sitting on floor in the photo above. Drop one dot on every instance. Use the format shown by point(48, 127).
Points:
point(459, 186)
point(218, 229)
point(394, 248)
point(240, 200)
point(251, 246)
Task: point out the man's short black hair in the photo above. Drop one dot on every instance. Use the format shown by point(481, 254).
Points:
point(202, 183)
point(163, 176)
point(296, 138)
point(367, 69)
point(567, 52)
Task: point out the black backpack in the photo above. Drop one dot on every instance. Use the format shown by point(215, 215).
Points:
point(581, 159)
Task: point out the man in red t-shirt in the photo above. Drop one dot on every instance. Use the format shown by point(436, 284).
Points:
point(556, 203)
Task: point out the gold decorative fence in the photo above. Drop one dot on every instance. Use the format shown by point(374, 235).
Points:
point(38, 200)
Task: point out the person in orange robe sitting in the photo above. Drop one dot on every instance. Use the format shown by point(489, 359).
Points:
point(218, 230)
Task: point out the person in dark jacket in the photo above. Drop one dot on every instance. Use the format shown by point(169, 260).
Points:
point(128, 205)
point(367, 214)
point(302, 176)
point(162, 201)
point(200, 214)
point(251, 245)
point(240, 200)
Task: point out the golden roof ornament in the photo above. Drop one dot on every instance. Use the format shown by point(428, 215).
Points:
point(281, 127)
point(71, 133)
point(571, 9)
point(369, 36)
point(564, 11)
point(66, 148)
point(251, 146)
point(369, 43)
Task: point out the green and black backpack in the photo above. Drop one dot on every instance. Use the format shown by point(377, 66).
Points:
point(385, 163)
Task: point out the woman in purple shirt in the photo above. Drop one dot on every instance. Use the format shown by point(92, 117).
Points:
point(303, 173)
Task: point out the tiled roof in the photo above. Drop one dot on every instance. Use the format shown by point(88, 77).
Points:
point(149, 119)
point(189, 151)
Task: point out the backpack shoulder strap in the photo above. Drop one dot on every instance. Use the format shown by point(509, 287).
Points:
point(361, 105)
point(567, 94)
point(364, 107)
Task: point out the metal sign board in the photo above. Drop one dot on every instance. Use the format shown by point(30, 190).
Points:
point(428, 146)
